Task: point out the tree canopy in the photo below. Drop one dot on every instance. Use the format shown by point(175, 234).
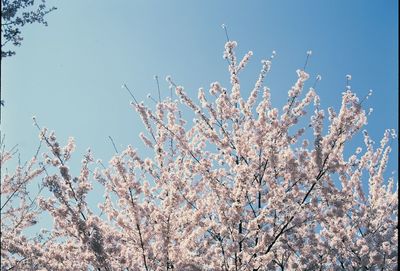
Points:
point(244, 186)
point(15, 14)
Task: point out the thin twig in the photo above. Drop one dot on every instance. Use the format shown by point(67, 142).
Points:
point(130, 92)
point(112, 142)
point(158, 88)
point(226, 32)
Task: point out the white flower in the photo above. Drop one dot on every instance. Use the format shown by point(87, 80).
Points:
point(364, 250)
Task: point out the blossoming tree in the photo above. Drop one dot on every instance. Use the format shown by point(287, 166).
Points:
point(239, 189)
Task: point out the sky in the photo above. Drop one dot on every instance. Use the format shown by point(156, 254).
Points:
point(69, 74)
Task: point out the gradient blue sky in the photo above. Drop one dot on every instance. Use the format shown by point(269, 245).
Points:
point(69, 74)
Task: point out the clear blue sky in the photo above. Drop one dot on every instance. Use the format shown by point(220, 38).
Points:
point(69, 74)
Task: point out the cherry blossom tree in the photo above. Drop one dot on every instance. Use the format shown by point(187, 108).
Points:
point(241, 187)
